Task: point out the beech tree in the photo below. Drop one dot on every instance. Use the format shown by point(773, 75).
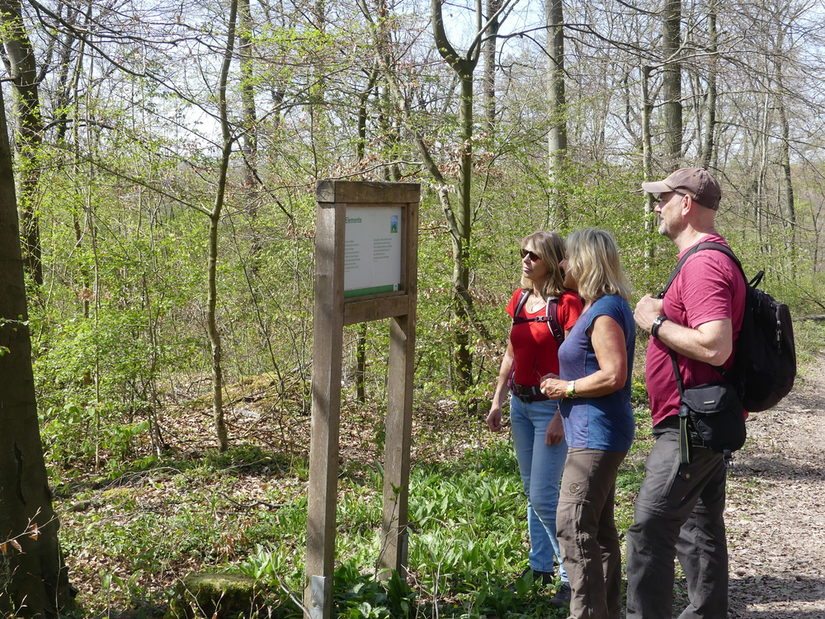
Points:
point(33, 579)
point(672, 82)
point(20, 61)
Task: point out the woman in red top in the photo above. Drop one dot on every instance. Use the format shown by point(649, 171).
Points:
point(538, 435)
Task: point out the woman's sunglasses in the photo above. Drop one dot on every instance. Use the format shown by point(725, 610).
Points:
point(534, 257)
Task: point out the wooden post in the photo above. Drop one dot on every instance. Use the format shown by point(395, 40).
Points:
point(399, 417)
point(326, 405)
point(332, 313)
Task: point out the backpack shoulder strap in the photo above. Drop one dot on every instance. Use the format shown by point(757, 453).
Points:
point(698, 247)
point(552, 314)
point(551, 317)
point(520, 305)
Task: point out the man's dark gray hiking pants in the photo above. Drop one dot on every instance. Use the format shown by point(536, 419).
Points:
point(679, 513)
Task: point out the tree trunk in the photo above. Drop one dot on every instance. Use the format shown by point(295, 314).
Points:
point(461, 218)
point(557, 138)
point(321, 125)
point(785, 162)
point(672, 83)
point(459, 221)
point(707, 157)
point(761, 173)
point(462, 301)
point(387, 112)
point(32, 572)
point(214, 221)
point(360, 151)
point(647, 164)
point(66, 84)
point(250, 135)
point(785, 150)
point(489, 54)
point(19, 58)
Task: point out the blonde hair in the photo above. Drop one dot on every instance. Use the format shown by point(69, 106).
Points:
point(593, 261)
point(550, 248)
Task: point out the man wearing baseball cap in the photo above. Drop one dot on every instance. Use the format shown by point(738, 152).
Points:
point(679, 509)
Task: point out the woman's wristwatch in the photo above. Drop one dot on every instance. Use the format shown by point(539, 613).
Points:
point(571, 390)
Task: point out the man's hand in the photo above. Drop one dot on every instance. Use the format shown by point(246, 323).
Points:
point(647, 310)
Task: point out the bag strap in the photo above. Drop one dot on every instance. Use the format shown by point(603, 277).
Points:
point(521, 301)
point(551, 311)
point(729, 253)
point(684, 433)
point(698, 247)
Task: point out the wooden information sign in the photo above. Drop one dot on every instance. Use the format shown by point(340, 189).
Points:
point(366, 261)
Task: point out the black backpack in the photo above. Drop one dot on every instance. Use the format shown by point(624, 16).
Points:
point(765, 366)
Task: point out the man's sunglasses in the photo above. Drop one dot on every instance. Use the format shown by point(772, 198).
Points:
point(534, 257)
point(657, 197)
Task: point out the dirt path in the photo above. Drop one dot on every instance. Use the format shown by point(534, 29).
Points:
point(775, 515)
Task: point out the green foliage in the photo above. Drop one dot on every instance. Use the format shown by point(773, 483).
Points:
point(359, 595)
point(119, 339)
point(271, 568)
point(466, 537)
point(809, 336)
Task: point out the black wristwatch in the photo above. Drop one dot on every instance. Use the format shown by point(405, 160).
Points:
point(654, 328)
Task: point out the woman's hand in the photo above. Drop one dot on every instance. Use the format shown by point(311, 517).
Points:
point(494, 418)
point(502, 389)
point(555, 431)
point(554, 388)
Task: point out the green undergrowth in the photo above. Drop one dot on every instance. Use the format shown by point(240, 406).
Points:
point(129, 537)
point(131, 531)
point(809, 336)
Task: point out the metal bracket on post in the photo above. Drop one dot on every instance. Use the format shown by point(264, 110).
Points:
point(318, 594)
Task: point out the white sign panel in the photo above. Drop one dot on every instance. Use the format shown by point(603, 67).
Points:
point(372, 250)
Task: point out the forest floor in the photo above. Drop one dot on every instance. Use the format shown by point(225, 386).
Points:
point(775, 516)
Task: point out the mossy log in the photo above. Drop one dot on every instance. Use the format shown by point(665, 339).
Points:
point(223, 596)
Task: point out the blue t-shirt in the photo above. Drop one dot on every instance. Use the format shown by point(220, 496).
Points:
point(605, 422)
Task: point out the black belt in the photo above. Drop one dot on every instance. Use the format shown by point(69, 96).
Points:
point(528, 393)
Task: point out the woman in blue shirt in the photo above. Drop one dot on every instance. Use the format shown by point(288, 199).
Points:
point(595, 368)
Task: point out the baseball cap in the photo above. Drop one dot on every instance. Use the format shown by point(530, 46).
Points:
point(696, 182)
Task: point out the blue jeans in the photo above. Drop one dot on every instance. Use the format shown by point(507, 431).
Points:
point(541, 467)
